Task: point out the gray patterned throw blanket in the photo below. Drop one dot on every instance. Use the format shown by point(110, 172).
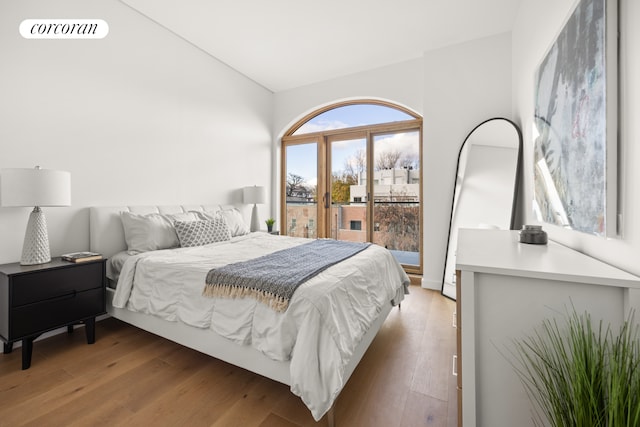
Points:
point(272, 279)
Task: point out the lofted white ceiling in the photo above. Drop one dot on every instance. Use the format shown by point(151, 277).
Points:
point(283, 44)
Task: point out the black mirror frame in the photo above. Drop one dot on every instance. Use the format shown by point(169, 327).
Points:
point(516, 188)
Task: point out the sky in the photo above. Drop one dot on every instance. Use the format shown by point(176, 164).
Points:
point(352, 116)
point(302, 159)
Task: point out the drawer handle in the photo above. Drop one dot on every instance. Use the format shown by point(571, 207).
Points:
point(68, 295)
point(454, 322)
point(454, 370)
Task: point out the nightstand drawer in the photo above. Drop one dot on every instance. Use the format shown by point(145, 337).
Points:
point(38, 298)
point(53, 313)
point(47, 284)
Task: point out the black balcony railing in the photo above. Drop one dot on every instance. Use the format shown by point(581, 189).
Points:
point(396, 225)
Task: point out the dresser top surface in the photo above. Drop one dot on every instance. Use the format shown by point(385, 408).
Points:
point(500, 252)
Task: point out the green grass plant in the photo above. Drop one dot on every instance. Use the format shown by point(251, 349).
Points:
point(578, 375)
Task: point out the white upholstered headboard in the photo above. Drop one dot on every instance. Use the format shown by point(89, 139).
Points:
point(106, 234)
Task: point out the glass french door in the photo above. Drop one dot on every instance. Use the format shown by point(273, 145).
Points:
point(373, 183)
point(347, 188)
point(300, 190)
point(396, 195)
point(360, 184)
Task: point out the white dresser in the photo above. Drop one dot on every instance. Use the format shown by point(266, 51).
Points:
point(505, 290)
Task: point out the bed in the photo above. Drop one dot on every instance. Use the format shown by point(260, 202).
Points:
point(313, 345)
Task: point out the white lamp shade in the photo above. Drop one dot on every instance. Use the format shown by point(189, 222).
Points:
point(253, 195)
point(34, 187)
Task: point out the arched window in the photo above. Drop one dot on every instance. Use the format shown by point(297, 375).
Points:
point(350, 116)
point(352, 171)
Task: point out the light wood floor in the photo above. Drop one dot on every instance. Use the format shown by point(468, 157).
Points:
point(131, 377)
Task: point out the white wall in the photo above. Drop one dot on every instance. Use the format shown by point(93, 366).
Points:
point(536, 27)
point(400, 83)
point(464, 85)
point(140, 117)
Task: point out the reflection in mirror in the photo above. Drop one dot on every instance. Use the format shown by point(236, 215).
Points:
point(485, 187)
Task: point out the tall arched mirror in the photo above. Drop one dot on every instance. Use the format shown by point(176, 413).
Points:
point(485, 187)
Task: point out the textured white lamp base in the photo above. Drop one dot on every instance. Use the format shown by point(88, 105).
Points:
point(35, 249)
point(255, 222)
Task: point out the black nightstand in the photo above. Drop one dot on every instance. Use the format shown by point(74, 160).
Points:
point(38, 298)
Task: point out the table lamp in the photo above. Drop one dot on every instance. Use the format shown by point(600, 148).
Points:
point(254, 195)
point(35, 187)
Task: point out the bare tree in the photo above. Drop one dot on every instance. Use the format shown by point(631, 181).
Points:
point(397, 226)
point(410, 161)
point(356, 164)
point(295, 185)
point(387, 159)
point(360, 160)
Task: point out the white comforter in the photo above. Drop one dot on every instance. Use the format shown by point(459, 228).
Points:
point(326, 319)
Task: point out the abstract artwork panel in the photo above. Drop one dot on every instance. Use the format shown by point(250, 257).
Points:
point(570, 125)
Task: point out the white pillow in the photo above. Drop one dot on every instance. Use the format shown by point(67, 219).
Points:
point(235, 222)
point(152, 231)
point(233, 218)
point(202, 232)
